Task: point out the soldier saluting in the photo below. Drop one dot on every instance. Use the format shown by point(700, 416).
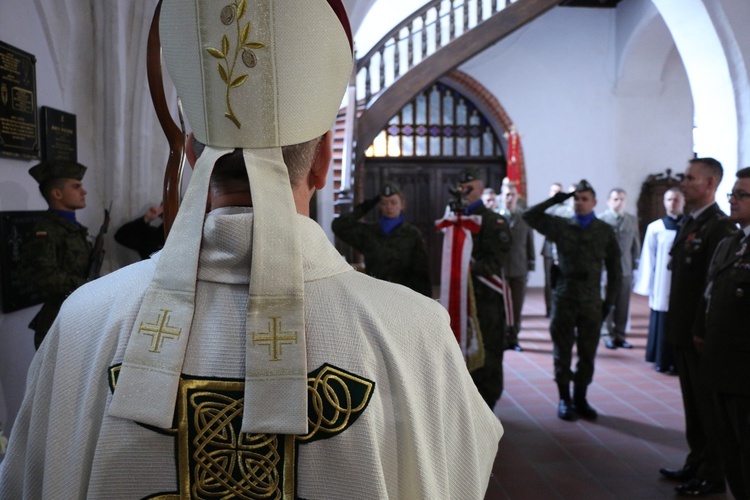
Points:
point(394, 249)
point(584, 245)
point(57, 252)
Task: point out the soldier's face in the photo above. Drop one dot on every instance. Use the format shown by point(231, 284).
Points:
point(616, 202)
point(584, 202)
point(71, 196)
point(696, 183)
point(390, 206)
point(674, 203)
point(475, 194)
point(489, 200)
point(740, 205)
point(510, 197)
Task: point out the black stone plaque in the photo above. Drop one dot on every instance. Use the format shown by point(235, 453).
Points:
point(16, 293)
point(59, 138)
point(19, 130)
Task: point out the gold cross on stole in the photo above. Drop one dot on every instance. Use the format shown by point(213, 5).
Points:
point(274, 338)
point(159, 331)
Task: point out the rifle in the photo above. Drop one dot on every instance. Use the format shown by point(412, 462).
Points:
point(97, 254)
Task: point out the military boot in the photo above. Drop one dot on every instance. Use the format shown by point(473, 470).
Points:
point(565, 406)
point(580, 405)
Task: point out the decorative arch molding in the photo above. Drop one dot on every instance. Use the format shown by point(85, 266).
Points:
point(490, 107)
point(703, 40)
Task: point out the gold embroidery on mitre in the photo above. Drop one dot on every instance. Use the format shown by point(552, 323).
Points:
point(275, 338)
point(160, 330)
point(231, 14)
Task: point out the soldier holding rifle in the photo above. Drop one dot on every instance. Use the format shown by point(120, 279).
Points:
point(57, 256)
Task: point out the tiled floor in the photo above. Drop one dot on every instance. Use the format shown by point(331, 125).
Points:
point(639, 430)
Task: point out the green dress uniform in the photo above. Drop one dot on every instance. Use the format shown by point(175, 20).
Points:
point(725, 359)
point(399, 257)
point(55, 261)
point(577, 303)
point(691, 253)
point(490, 250)
point(521, 260)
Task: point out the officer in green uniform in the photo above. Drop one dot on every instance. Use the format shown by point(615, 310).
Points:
point(584, 243)
point(393, 249)
point(56, 252)
point(491, 246)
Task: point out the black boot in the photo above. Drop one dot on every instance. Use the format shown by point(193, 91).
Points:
point(580, 405)
point(565, 407)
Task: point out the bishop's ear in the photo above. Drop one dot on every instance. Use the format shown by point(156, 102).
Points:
point(322, 161)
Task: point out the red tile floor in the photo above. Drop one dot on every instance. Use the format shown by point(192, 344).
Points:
point(639, 430)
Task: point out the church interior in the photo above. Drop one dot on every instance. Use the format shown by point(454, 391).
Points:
point(617, 92)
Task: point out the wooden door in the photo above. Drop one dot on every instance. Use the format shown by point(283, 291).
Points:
point(425, 183)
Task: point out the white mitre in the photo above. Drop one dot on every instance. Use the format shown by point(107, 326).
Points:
point(257, 75)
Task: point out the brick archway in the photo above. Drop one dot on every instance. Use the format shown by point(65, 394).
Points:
point(492, 110)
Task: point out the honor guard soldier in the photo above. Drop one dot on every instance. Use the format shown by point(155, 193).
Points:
point(489, 251)
point(584, 245)
point(56, 253)
point(393, 249)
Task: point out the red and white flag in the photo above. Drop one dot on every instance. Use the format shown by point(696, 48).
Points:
point(455, 292)
point(501, 286)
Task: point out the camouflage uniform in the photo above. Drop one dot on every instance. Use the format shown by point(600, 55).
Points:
point(55, 261)
point(577, 303)
point(399, 257)
point(490, 249)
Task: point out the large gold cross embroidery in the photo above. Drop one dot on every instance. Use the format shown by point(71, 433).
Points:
point(274, 338)
point(159, 331)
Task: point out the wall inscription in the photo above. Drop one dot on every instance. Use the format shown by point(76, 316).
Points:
point(19, 134)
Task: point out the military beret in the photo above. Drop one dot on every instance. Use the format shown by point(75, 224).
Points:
point(389, 189)
point(584, 186)
point(55, 169)
point(469, 174)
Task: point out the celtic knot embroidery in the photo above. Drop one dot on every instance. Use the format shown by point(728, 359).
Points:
point(215, 459)
point(226, 462)
point(335, 400)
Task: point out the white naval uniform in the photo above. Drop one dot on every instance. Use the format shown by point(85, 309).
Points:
point(425, 433)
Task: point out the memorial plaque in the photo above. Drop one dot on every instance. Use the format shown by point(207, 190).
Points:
point(18, 114)
point(15, 292)
point(59, 138)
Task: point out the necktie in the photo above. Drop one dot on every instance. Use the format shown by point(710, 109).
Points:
point(734, 246)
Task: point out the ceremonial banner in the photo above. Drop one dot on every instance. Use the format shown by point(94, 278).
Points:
point(514, 159)
point(456, 291)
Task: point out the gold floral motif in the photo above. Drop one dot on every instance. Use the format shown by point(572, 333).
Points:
point(232, 14)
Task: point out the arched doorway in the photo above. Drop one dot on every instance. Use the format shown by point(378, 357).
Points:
point(448, 126)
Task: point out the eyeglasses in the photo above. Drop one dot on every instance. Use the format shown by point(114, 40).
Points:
point(739, 196)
